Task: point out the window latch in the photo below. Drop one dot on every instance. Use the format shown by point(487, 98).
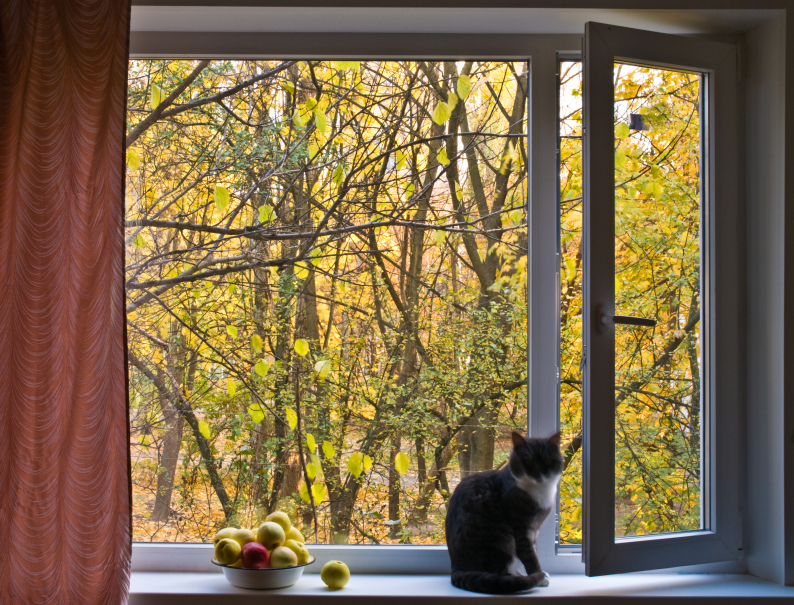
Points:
point(628, 320)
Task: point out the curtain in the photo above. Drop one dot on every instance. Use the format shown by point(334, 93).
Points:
point(65, 534)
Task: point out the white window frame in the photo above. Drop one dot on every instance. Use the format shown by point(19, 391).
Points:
point(541, 51)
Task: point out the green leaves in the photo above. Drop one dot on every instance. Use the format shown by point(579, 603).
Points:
point(464, 86)
point(262, 367)
point(401, 462)
point(138, 241)
point(231, 387)
point(323, 368)
point(266, 214)
point(133, 160)
point(232, 331)
point(221, 197)
point(204, 429)
point(338, 175)
point(256, 412)
point(622, 130)
point(328, 450)
point(292, 418)
point(301, 347)
point(256, 343)
point(320, 120)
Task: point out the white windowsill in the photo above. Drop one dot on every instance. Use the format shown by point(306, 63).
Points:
point(209, 588)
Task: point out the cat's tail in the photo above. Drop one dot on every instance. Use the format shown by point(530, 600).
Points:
point(494, 583)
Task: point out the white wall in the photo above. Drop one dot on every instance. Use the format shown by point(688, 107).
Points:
point(764, 520)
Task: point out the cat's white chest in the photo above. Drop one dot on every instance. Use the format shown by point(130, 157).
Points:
point(543, 492)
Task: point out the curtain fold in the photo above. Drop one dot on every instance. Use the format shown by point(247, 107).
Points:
point(64, 469)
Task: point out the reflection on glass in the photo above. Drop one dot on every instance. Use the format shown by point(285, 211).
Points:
point(657, 275)
point(570, 268)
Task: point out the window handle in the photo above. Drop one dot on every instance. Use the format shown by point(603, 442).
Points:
point(628, 320)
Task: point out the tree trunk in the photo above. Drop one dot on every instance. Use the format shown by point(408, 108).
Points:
point(172, 444)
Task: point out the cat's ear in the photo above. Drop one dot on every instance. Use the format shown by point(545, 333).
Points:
point(555, 439)
point(518, 439)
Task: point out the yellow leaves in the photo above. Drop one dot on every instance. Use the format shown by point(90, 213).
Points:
point(301, 270)
point(367, 463)
point(138, 241)
point(458, 192)
point(231, 387)
point(292, 418)
point(288, 86)
point(344, 65)
point(443, 111)
point(301, 347)
point(409, 191)
point(156, 96)
point(464, 86)
point(318, 491)
point(512, 154)
point(320, 120)
point(620, 158)
point(622, 130)
point(570, 269)
point(338, 175)
point(399, 157)
point(328, 450)
point(298, 118)
point(204, 429)
point(323, 368)
point(133, 160)
point(653, 189)
point(256, 343)
point(401, 462)
point(310, 442)
point(441, 237)
point(266, 214)
point(256, 412)
point(146, 440)
point(232, 331)
point(355, 464)
point(221, 197)
point(261, 367)
point(441, 156)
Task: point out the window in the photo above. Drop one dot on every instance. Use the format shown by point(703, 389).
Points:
point(545, 231)
point(327, 276)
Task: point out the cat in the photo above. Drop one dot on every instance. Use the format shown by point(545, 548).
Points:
point(494, 518)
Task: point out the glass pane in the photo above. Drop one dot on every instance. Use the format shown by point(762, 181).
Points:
point(570, 268)
point(657, 276)
point(379, 368)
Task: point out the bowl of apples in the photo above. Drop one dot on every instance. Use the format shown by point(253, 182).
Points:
point(272, 556)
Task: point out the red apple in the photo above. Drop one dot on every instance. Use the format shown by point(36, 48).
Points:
point(255, 556)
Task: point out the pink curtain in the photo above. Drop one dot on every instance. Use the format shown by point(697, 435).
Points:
point(64, 470)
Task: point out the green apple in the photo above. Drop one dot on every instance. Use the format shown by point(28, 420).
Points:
point(282, 556)
point(335, 574)
point(300, 551)
point(281, 518)
point(226, 532)
point(270, 535)
point(294, 534)
point(227, 551)
point(244, 536)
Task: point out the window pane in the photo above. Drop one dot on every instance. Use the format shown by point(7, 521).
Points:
point(657, 276)
point(570, 254)
point(326, 278)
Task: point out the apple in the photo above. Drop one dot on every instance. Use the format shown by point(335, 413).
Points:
point(226, 532)
point(294, 534)
point(243, 537)
point(270, 535)
point(282, 556)
point(335, 574)
point(255, 556)
point(300, 551)
point(281, 518)
point(227, 551)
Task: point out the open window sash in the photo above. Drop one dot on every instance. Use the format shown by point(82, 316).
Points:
point(714, 66)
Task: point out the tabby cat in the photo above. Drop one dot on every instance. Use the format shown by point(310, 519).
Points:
point(494, 517)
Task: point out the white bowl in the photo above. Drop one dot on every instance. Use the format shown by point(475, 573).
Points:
point(263, 579)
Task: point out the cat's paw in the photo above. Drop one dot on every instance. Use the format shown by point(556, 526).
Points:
point(545, 580)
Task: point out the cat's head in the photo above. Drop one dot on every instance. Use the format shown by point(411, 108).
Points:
point(537, 459)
